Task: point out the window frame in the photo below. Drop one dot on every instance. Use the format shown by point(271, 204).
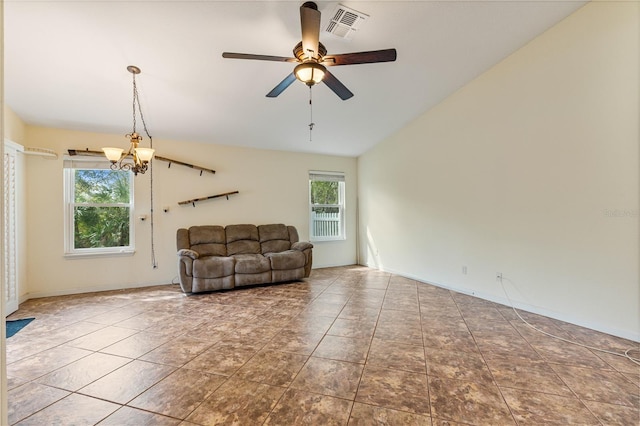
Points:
point(341, 205)
point(70, 166)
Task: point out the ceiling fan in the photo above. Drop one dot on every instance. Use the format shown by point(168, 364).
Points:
point(312, 58)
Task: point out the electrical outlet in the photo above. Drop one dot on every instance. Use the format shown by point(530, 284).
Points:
point(498, 276)
point(464, 269)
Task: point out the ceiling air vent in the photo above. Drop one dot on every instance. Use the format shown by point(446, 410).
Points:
point(345, 22)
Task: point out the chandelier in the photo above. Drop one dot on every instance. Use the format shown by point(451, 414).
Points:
point(141, 156)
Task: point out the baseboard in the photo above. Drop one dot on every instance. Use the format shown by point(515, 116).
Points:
point(93, 289)
point(331, 265)
point(625, 334)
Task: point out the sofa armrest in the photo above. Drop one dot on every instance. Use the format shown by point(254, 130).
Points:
point(301, 246)
point(189, 253)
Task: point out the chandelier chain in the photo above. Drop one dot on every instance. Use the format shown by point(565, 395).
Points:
point(136, 99)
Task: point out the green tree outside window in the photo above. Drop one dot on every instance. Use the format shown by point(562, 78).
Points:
point(101, 209)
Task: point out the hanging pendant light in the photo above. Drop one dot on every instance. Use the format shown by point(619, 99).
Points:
point(141, 156)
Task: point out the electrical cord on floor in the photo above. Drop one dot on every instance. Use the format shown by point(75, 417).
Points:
point(625, 354)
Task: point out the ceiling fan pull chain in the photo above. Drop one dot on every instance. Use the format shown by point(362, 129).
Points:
point(311, 123)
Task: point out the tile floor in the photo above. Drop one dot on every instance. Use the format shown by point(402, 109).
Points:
point(349, 345)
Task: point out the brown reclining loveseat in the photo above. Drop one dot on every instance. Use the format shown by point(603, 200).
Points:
point(215, 257)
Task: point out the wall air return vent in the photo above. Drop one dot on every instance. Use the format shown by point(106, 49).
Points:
point(345, 22)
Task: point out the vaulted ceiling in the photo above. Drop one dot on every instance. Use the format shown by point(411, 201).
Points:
point(65, 66)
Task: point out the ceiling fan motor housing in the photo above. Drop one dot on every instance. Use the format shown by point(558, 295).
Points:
point(298, 52)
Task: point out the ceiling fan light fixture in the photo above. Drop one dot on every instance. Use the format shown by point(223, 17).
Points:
point(310, 73)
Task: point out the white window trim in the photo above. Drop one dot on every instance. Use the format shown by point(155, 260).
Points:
point(329, 176)
point(90, 163)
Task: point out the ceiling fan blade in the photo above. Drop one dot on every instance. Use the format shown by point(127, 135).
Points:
point(386, 55)
point(310, 24)
point(337, 87)
point(282, 85)
point(231, 55)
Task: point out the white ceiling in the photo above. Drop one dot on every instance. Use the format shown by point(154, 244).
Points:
point(65, 66)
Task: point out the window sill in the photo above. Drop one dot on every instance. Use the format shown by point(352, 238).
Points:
point(95, 254)
point(328, 240)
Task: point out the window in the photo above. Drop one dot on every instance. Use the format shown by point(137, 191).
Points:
point(98, 209)
point(326, 206)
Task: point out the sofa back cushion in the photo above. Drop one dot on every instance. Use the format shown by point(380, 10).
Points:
point(182, 239)
point(293, 234)
point(208, 240)
point(274, 238)
point(242, 239)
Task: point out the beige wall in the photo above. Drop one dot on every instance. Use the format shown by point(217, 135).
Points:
point(530, 170)
point(273, 188)
point(3, 354)
point(14, 127)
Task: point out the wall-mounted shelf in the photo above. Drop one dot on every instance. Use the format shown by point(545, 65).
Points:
point(195, 200)
point(157, 157)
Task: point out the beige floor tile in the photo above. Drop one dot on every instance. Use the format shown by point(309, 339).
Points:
point(410, 335)
point(137, 345)
point(343, 349)
point(45, 362)
point(451, 339)
point(237, 402)
point(299, 342)
point(83, 372)
point(468, 402)
point(272, 367)
point(299, 407)
point(329, 377)
point(457, 365)
point(75, 409)
point(352, 328)
point(127, 416)
point(30, 398)
point(535, 408)
point(612, 414)
point(194, 387)
point(116, 315)
point(394, 389)
point(521, 373)
point(222, 358)
point(367, 415)
point(398, 356)
point(600, 385)
point(101, 338)
point(177, 352)
point(124, 384)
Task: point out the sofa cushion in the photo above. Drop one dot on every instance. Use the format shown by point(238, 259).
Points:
point(252, 279)
point(242, 239)
point(273, 232)
point(213, 267)
point(301, 245)
point(208, 240)
point(251, 264)
point(182, 239)
point(278, 275)
point(293, 234)
point(290, 259)
point(274, 238)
